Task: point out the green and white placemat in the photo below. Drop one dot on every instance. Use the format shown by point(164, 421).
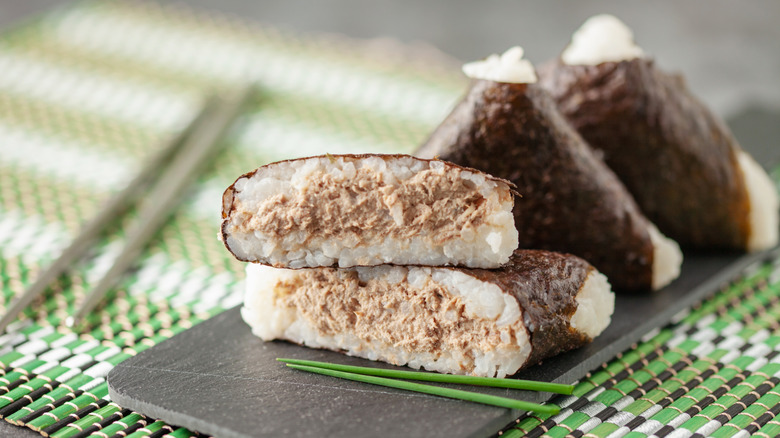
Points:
point(89, 91)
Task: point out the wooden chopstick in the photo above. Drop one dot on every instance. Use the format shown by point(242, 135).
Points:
point(198, 149)
point(107, 215)
point(458, 394)
point(528, 385)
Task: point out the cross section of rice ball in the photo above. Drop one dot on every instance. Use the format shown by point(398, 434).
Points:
point(366, 210)
point(451, 320)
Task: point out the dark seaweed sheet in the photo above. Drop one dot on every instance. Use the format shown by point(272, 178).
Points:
point(545, 284)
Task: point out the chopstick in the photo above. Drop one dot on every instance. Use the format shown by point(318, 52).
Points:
point(107, 215)
point(458, 394)
point(164, 196)
point(529, 385)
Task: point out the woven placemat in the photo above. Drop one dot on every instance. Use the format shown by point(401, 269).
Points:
point(89, 91)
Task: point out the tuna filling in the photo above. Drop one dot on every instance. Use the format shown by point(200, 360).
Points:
point(426, 319)
point(367, 209)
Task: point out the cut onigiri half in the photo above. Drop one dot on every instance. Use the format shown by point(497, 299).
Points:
point(451, 320)
point(366, 210)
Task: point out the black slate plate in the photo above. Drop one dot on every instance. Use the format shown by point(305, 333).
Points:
point(219, 379)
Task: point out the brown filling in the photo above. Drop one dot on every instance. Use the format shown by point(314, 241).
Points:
point(418, 320)
point(361, 209)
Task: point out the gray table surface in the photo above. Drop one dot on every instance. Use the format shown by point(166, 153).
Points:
point(728, 50)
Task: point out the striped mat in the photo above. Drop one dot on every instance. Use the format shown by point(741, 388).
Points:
point(88, 92)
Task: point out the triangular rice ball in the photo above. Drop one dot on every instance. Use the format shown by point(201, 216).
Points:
point(686, 171)
point(570, 200)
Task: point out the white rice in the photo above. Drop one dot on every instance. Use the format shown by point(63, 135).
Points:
point(270, 319)
point(485, 244)
point(594, 306)
point(510, 67)
point(667, 258)
point(602, 38)
point(762, 193)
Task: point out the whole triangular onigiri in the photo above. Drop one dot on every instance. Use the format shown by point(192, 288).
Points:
point(508, 125)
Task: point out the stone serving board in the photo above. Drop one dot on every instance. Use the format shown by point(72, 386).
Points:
point(219, 379)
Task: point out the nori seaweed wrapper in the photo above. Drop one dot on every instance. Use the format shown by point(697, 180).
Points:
point(545, 285)
point(570, 200)
point(673, 154)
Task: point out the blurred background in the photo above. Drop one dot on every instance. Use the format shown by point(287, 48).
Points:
point(55, 102)
point(729, 51)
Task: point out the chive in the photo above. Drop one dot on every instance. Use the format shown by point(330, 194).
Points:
point(530, 385)
point(492, 400)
